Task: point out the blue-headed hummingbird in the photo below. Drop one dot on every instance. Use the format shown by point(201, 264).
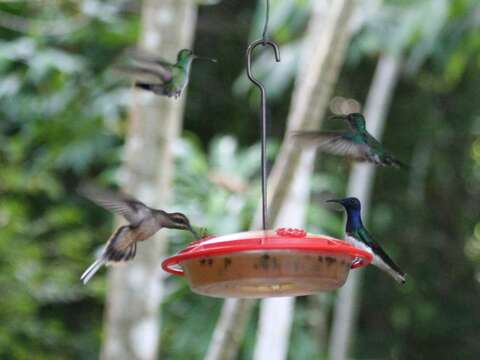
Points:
point(357, 236)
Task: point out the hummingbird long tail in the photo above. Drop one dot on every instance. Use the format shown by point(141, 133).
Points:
point(120, 247)
point(390, 160)
point(401, 165)
point(396, 273)
point(92, 269)
point(399, 277)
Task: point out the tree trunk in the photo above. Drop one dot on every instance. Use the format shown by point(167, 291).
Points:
point(324, 47)
point(227, 338)
point(318, 310)
point(360, 185)
point(132, 325)
point(276, 314)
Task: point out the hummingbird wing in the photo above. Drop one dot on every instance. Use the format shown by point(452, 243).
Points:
point(147, 68)
point(133, 210)
point(365, 236)
point(122, 245)
point(145, 74)
point(333, 142)
point(159, 66)
point(148, 57)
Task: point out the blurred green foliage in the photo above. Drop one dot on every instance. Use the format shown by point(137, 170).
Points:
point(62, 121)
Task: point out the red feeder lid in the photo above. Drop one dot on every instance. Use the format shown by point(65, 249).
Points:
point(281, 239)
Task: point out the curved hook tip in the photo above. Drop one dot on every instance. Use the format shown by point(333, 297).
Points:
point(250, 49)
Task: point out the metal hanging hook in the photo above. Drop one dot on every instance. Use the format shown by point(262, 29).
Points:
point(263, 95)
point(267, 17)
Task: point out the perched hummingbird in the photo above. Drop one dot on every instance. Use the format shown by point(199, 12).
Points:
point(357, 143)
point(359, 237)
point(162, 77)
point(144, 222)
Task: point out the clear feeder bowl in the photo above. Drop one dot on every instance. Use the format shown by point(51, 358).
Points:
point(257, 264)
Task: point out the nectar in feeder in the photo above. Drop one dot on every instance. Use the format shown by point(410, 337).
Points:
point(256, 264)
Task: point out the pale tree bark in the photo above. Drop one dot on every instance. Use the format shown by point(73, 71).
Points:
point(132, 325)
point(228, 333)
point(318, 311)
point(324, 47)
point(327, 39)
point(360, 185)
point(276, 314)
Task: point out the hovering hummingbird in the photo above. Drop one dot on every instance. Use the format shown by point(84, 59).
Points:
point(144, 222)
point(357, 143)
point(162, 77)
point(359, 237)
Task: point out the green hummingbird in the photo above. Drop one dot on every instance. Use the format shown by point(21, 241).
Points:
point(357, 143)
point(161, 77)
point(358, 236)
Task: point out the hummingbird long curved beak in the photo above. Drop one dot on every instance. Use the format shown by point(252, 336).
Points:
point(338, 117)
point(334, 201)
point(195, 234)
point(204, 58)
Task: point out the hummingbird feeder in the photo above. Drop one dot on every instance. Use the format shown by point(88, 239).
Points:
point(266, 263)
point(256, 264)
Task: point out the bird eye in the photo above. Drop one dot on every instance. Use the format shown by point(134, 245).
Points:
point(182, 220)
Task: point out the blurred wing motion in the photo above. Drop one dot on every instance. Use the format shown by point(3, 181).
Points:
point(148, 69)
point(337, 143)
point(145, 57)
point(145, 74)
point(159, 67)
point(131, 209)
point(121, 246)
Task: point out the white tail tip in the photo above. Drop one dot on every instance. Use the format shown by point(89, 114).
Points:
point(92, 269)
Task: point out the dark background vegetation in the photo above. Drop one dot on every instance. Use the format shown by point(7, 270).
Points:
point(63, 119)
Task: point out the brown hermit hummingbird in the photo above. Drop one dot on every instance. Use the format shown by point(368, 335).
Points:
point(162, 77)
point(143, 222)
point(357, 143)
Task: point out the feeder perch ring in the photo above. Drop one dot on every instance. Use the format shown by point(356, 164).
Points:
point(256, 264)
